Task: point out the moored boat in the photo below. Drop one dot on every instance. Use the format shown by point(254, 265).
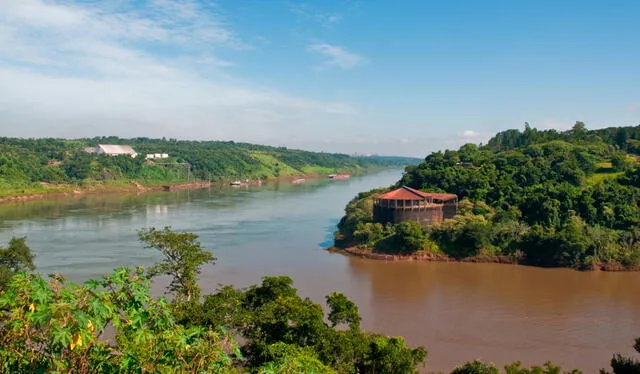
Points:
point(339, 176)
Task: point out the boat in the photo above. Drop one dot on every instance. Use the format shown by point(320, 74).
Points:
point(339, 176)
point(246, 182)
point(300, 180)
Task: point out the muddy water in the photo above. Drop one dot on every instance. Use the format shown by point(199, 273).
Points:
point(459, 312)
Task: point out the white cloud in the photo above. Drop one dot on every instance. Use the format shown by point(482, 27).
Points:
point(336, 56)
point(469, 134)
point(465, 137)
point(137, 69)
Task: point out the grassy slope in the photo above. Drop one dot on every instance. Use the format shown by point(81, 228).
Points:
point(604, 172)
point(271, 166)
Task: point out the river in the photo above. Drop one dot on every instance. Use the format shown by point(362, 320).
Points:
point(459, 312)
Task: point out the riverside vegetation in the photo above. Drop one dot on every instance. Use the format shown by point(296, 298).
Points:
point(30, 166)
point(544, 198)
point(56, 326)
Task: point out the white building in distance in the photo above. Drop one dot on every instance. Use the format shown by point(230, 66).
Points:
point(112, 150)
point(156, 155)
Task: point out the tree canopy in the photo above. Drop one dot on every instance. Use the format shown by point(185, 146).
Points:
point(14, 258)
point(545, 198)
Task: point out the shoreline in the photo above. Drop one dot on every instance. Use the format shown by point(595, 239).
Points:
point(67, 191)
point(72, 191)
point(354, 251)
point(425, 257)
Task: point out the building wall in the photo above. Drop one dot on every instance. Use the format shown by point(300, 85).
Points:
point(424, 216)
point(450, 209)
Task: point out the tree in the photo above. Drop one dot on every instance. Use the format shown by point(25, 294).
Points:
point(55, 326)
point(620, 162)
point(285, 333)
point(476, 367)
point(625, 365)
point(15, 258)
point(579, 130)
point(183, 258)
point(410, 236)
point(369, 233)
point(343, 310)
point(78, 166)
point(291, 359)
point(479, 367)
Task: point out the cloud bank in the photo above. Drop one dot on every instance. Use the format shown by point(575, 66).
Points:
point(138, 69)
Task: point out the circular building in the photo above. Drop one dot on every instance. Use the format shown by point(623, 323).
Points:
point(406, 203)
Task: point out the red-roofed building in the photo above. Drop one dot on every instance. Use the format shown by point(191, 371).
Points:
point(406, 203)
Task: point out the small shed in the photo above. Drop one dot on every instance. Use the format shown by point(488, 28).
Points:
point(406, 203)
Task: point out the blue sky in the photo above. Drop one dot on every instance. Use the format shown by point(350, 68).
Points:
point(389, 77)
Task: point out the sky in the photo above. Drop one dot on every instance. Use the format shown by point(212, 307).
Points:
point(386, 77)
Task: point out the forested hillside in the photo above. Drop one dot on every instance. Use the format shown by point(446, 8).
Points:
point(624, 138)
point(544, 198)
point(27, 164)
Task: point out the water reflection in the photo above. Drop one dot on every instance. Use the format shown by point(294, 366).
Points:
point(503, 313)
point(70, 234)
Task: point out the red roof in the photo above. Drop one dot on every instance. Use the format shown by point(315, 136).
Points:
point(408, 193)
point(441, 196)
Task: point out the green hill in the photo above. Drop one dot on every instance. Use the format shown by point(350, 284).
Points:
point(543, 198)
point(40, 165)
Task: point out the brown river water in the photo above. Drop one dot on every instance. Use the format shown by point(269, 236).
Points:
point(457, 311)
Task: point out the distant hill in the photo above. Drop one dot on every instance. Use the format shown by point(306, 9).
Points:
point(389, 161)
point(625, 138)
point(28, 164)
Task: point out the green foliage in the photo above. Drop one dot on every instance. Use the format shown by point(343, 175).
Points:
point(543, 198)
point(284, 358)
point(547, 368)
point(56, 326)
point(14, 258)
point(24, 163)
point(77, 166)
point(465, 236)
point(286, 332)
point(183, 257)
point(625, 365)
point(476, 367)
point(410, 236)
point(359, 212)
point(390, 356)
point(343, 311)
point(479, 367)
point(368, 233)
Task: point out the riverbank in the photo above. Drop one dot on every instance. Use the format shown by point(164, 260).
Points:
point(437, 257)
point(58, 191)
point(127, 186)
point(367, 253)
